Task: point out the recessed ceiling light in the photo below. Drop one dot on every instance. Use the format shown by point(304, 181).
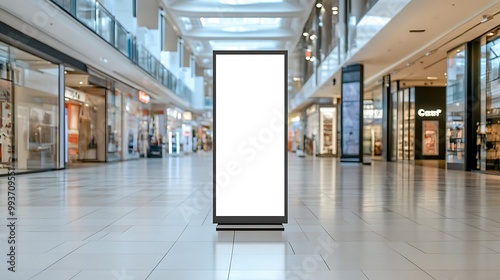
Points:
point(314, 37)
point(319, 5)
point(335, 8)
point(65, 72)
point(432, 78)
point(305, 34)
point(335, 12)
point(458, 50)
point(490, 34)
point(445, 73)
point(80, 82)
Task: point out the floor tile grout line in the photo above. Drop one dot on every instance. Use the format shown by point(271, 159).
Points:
point(59, 259)
point(76, 274)
point(411, 261)
point(232, 253)
point(169, 249)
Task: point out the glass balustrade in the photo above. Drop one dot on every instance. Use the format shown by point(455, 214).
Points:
point(95, 16)
point(105, 24)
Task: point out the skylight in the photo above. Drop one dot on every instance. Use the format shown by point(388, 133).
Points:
point(242, 45)
point(246, 2)
point(243, 22)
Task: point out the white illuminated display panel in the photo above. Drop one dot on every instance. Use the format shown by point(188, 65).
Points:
point(250, 151)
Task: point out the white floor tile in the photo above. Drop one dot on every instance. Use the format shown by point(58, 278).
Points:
point(160, 274)
point(383, 221)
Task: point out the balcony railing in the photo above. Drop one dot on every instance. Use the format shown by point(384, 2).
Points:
point(95, 17)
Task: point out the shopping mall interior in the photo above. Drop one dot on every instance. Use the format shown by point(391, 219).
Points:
point(116, 139)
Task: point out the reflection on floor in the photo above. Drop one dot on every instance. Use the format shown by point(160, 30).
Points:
point(151, 219)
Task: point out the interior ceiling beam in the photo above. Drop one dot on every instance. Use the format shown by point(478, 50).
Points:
point(203, 9)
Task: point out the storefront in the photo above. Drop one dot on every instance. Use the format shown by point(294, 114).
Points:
point(311, 146)
point(372, 129)
point(30, 112)
point(295, 133)
point(418, 123)
point(320, 137)
point(114, 125)
point(132, 114)
point(174, 131)
point(85, 134)
point(327, 130)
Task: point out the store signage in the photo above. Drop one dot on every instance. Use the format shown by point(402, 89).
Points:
point(144, 97)
point(429, 113)
point(187, 116)
point(311, 109)
point(250, 157)
point(74, 94)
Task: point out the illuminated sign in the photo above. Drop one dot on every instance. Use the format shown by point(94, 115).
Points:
point(429, 113)
point(144, 97)
point(74, 94)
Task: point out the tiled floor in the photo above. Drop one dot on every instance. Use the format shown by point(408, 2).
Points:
point(151, 219)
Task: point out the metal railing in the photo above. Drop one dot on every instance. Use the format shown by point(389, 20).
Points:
point(95, 17)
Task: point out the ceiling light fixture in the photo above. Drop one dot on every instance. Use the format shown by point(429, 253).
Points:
point(430, 52)
point(486, 18)
point(80, 82)
point(65, 72)
point(335, 8)
point(305, 34)
point(432, 78)
point(314, 37)
point(335, 12)
point(319, 5)
point(490, 34)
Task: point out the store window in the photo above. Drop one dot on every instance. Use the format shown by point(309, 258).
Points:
point(29, 87)
point(455, 108)
point(132, 115)
point(492, 87)
point(114, 127)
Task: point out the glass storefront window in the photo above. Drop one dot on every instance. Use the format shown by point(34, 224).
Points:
point(29, 140)
point(455, 108)
point(114, 127)
point(132, 114)
point(491, 141)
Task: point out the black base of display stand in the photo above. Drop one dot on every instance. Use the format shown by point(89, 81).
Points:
point(270, 227)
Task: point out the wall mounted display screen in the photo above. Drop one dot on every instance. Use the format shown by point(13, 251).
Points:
point(351, 119)
point(250, 137)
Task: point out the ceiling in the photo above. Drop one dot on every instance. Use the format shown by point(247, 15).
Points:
point(207, 25)
point(419, 57)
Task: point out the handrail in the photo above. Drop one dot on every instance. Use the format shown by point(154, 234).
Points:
point(94, 16)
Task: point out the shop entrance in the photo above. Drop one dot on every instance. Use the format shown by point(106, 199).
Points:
point(85, 108)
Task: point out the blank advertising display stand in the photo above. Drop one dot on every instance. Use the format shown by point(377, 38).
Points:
point(250, 136)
